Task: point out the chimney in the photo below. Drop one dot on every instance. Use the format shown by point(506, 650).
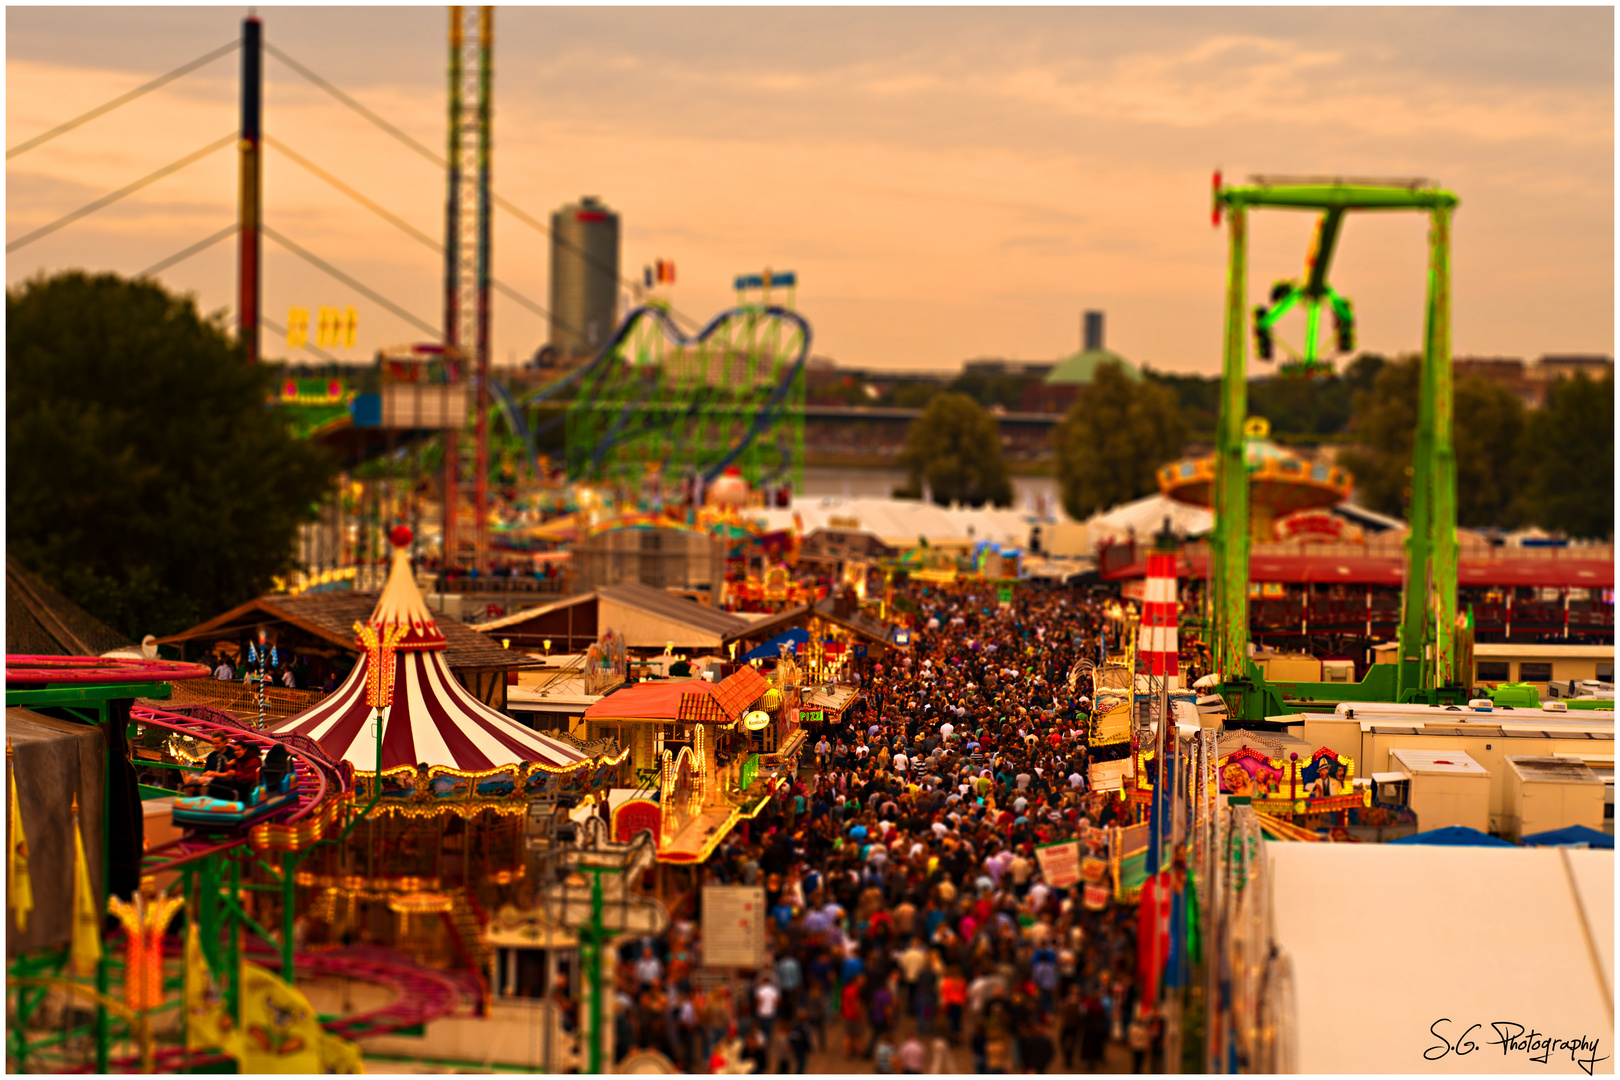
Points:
point(1093, 331)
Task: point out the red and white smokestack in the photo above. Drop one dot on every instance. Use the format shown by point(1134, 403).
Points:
point(1159, 611)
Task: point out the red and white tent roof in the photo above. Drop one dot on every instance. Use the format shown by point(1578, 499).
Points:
point(432, 719)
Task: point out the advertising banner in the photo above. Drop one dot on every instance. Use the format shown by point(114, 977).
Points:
point(1060, 863)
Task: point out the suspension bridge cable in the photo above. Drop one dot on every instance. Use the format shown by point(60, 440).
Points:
point(430, 155)
point(274, 327)
point(405, 226)
point(355, 105)
point(382, 212)
point(106, 200)
point(372, 294)
point(186, 253)
point(101, 110)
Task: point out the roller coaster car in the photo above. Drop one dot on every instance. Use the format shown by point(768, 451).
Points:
point(222, 807)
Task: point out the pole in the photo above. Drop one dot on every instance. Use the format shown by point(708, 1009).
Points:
point(1437, 355)
point(452, 291)
point(233, 943)
point(288, 866)
point(594, 970)
point(250, 172)
point(1230, 542)
point(486, 43)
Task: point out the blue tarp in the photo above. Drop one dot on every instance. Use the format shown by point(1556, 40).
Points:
point(770, 650)
point(1569, 835)
point(1454, 836)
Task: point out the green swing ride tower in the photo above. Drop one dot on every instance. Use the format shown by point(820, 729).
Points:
point(1428, 668)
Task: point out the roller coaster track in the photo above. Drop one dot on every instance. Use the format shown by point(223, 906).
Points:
point(764, 418)
point(419, 995)
point(322, 786)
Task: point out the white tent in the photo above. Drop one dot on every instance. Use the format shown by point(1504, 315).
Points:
point(1399, 950)
point(1144, 518)
point(899, 522)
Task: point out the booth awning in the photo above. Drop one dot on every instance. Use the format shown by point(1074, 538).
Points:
point(771, 649)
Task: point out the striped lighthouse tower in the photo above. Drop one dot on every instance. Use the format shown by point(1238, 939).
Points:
point(1159, 611)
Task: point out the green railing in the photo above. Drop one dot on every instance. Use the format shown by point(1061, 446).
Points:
point(749, 770)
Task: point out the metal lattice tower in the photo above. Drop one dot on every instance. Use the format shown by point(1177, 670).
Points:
point(732, 394)
point(467, 261)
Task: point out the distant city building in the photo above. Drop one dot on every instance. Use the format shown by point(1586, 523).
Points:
point(584, 277)
point(1530, 383)
point(1553, 368)
point(1018, 369)
point(1062, 384)
point(1508, 371)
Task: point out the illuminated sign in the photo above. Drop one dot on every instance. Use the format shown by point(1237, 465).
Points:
point(333, 328)
point(756, 720)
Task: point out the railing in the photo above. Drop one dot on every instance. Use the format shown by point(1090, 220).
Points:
point(242, 699)
point(747, 773)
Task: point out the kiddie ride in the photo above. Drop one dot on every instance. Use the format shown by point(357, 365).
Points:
point(1432, 665)
point(224, 806)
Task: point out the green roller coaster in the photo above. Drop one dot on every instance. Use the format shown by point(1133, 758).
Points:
point(690, 407)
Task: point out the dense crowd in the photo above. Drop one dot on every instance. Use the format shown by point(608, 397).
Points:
point(910, 926)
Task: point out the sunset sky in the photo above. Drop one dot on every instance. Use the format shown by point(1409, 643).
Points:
point(949, 183)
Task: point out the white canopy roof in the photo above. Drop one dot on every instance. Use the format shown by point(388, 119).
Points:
point(1388, 940)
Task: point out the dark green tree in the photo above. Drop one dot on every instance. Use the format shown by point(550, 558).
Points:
point(146, 479)
point(1383, 425)
point(1569, 453)
point(1487, 433)
point(955, 447)
point(1495, 486)
point(1113, 440)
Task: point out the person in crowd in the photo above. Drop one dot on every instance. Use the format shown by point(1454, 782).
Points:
point(903, 895)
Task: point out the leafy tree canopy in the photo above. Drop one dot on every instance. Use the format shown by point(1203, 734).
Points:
point(1553, 467)
point(1569, 454)
point(145, 478)
point(1113, 440)
point(955, 447)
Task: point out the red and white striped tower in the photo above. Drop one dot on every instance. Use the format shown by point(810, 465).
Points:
point(1159, 613)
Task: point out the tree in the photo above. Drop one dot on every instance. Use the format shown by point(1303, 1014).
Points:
point(145, 478)
point(1113, 440)
point(1487, 436)
point(955, 448)
point(1384, 423)
point(1569, 454)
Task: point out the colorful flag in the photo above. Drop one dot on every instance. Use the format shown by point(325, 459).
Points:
point(206, 1022)
point(20, 895)
point(86, 947)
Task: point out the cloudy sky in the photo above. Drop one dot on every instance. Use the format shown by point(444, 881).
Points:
point(949, 183)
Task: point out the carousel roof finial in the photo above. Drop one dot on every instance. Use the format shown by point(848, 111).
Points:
point(401, 603)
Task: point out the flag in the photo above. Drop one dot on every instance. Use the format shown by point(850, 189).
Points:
point(281, 1032)
point(86, 948)
point(20, 895)
point(207, 1025)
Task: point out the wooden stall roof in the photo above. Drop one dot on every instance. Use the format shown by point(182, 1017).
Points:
point(331, 617)
point(42, 622)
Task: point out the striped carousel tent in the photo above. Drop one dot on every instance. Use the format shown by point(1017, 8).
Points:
point(432, 719)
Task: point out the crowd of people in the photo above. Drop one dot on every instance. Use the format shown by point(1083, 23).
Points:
point(911, 929)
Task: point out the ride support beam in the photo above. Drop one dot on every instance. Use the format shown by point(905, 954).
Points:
point(250, 208)
point(1443, 465)
point(1230, 546)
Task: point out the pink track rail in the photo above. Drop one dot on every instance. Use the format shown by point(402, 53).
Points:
point(420, 994)
point(317, 777)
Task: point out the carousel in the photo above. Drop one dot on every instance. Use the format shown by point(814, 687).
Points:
point(443, 786)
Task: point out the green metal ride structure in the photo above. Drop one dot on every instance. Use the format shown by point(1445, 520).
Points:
point(733, 394)
point(1428, 669)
